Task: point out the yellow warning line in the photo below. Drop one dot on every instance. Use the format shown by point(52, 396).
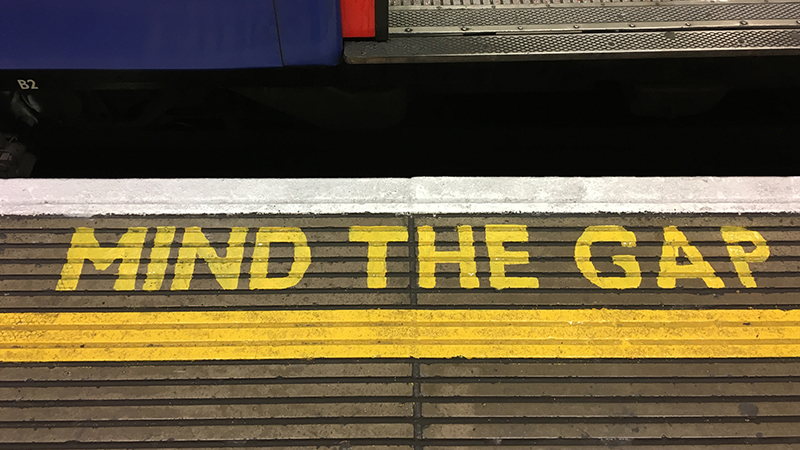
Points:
point(374, 333)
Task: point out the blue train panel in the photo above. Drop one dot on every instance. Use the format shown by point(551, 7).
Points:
point(310, 30)
point(139, 34)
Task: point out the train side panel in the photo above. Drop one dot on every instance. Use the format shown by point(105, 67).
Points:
point(310, 31)
point(141, 34)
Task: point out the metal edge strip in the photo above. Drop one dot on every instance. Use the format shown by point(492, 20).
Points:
point(523, 28)
point(590, 4)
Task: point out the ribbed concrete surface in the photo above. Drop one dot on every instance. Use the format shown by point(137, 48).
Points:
point(716, 403)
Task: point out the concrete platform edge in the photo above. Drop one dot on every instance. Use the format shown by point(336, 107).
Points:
point(423, 195)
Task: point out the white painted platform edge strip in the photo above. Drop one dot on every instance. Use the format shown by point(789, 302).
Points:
point(86, 198)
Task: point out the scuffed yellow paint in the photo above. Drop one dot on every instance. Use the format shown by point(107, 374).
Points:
point(260, 267)
point(84, 246)
point(675, 242)
point(377, 238)
point(399, 333)
point(741, 259)
point(159, 254)
point(628, 263)
point(429, 257)
point(225, 268)
point(499, 257)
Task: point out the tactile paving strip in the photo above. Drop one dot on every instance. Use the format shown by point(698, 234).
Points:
point(700, 272)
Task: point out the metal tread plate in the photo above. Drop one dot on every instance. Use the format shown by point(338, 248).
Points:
point(573, 46)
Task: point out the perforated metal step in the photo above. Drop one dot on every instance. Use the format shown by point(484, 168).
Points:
point(423, 49)
point(492, 30)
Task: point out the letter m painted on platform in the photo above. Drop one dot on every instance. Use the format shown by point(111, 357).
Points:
point(84, 246)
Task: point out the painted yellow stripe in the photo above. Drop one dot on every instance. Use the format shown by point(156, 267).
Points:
point(374, 333)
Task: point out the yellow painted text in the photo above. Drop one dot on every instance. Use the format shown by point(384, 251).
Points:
point(670, 271)
point(377, 238)
point(260, 266)
point(429, 257)
point(628, 263)
point(499, 257)
point(226, 268)
point(741, 259)
point(84, 246)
